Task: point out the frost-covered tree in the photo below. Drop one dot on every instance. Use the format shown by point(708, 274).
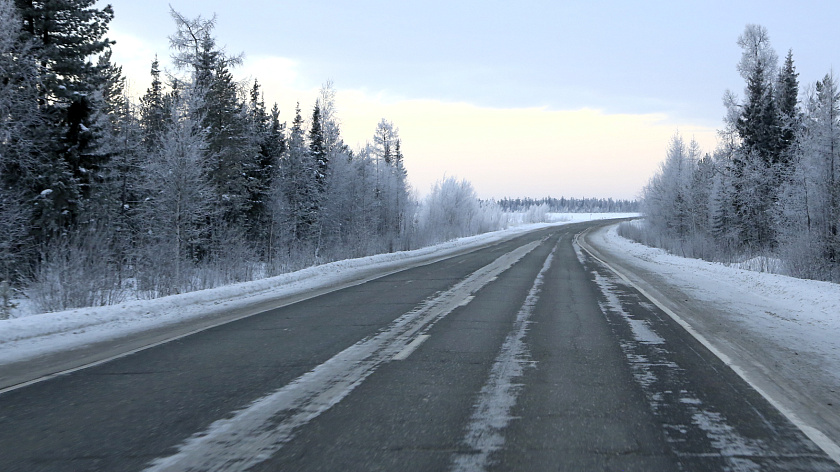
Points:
point(384, 141)
point(265, 136)
point(449, 210)
point(64, 35)
point(179, 199)
point(317, 150)
point(754, 166)
point(298, 170)
point(330, 126)
point(811, 207)
point(232, 153)
point(787, 98)
point(758, 124)
point(20, 144)
point(153, 109)
point(666, 197)
point(113, 204)
point(195, 50)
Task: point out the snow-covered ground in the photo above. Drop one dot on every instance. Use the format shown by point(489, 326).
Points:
point(26, 337)
point(782, 332)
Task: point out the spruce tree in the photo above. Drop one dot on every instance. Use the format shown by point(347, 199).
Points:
point(299, 184)
point(65, 34)
point(788, 99)
point(21, 131)
point(263, 138)
point(153, 110)
point(399, 162)
point(317, 151)
point(759, 127)
point(231, 154)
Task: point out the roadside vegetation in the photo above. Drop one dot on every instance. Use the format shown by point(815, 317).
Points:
point(768, 198)
point(196, 184)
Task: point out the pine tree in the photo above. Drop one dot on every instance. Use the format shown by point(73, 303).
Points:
point(299, 184)
point(265, 134)
point(317, 150)
point(21, 139)
point(274, 147)
point(65, 34)
point(758, 124)
point(232, 154)
point(399, 160)
point(755, 164)
point(68, 32)
point(788, 100)
point(152, 110)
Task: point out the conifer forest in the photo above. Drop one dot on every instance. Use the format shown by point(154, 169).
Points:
point(770, 192)
point(195, 184)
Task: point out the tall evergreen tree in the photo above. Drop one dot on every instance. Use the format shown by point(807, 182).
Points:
point(65, 34)
point(788, 100)
point(317, 150)
point(760, 129)
point(152, 109)
point(299, 184)
point(231, 151)
point(68, 33)
point(21, 128)
point(266, 138)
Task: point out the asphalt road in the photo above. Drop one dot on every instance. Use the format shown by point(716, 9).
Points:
point(525, 355)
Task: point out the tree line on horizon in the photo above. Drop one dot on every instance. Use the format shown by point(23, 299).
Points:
point(572, 205)
point(771, 189)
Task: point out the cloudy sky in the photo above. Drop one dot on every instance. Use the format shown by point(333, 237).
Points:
point(528, 98)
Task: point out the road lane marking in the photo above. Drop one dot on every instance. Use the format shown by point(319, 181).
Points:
point(253, 434)
point(403, 355)
point(831, 448)
point(492, 410)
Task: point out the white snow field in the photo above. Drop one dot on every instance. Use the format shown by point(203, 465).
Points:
point(27, 337)
point(780, 333)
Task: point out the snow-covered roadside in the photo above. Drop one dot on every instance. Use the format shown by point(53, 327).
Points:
point(35, 335)
point(782, 331)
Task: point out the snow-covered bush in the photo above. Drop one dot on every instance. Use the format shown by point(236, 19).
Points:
point(536, 214)
point(452, 210)
point(76, 272)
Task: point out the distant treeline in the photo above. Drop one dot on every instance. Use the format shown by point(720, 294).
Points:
point(571, 205)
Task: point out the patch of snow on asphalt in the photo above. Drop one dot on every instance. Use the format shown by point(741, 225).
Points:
point(491, 414)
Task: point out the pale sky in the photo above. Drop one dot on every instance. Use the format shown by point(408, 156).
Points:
point(524, 99)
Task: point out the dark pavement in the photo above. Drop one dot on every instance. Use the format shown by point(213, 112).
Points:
point(600, 380)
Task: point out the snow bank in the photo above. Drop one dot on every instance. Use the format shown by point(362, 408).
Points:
point(34, 335)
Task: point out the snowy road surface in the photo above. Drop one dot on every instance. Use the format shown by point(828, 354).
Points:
point(527, 354)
